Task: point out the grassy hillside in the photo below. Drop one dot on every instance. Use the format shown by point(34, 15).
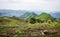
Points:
point(28, 15)
point(32, 27)
point(11, 25)
point(10, 21)
point(44, 16)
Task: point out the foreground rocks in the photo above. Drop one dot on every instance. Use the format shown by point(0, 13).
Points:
point(37, 32)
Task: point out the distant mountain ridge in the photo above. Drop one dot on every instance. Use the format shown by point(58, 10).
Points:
point(11, 12)
point(28, 15)
point(56, 15)
point(25, 13)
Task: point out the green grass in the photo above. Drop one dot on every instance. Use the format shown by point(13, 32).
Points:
point(23, 25)
point(44, 16)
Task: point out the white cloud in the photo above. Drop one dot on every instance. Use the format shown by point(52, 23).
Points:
point(30, 4)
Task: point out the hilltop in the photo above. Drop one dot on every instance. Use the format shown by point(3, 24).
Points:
point(44, 15)
point(28, 15)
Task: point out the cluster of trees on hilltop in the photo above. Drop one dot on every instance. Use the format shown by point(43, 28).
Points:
point(42, 17)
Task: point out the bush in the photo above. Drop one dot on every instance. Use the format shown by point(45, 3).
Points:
point(32, 20)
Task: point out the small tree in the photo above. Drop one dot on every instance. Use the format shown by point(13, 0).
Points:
point(32, 20)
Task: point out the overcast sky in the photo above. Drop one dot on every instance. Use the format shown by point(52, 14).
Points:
point(53, 5)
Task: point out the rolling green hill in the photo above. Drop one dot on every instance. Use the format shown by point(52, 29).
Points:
point(44, 15)
point(28, 15)
point(11, 21)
